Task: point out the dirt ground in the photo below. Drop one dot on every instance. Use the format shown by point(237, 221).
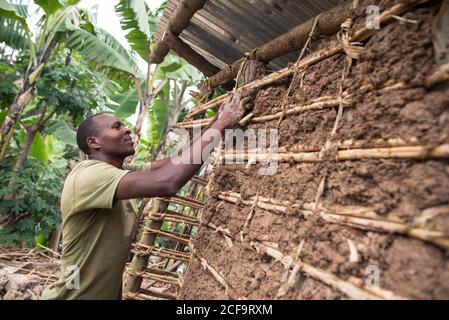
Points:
point(24, 273)
point(411, 268)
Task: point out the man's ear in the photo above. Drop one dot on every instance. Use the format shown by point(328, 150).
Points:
point(93, 144)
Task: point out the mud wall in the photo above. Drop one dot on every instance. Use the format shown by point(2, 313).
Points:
point(397, 190)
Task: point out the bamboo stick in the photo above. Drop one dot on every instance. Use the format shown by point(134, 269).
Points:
point(354, 211)
point(57, 255)
point(185, 202)
point(177, 218)
point(430, 213)
point(175, 281)
point(193, 124)
point(198, 121)
point(200, 180)
point(296, 109)
point(313, 100)
point(163, 272)
point(383, 293)
point(281, 205)
point(357, 217)
point(140, 252)
point(150, 295)
point(164, 253)
point(342, 145)
point(436, 237)
point(291, 280)
point(169, 235)
point(403, 152)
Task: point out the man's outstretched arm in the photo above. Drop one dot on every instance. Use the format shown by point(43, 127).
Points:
point(162, 162)
point(172, 175)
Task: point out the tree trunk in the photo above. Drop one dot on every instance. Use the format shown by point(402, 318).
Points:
point(8, 218)
point(23, 97)
point(13, 116)
point(25, 151)
point(53, 244)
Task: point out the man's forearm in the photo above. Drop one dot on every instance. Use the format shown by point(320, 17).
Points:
point(188, 161)
point(160, 163)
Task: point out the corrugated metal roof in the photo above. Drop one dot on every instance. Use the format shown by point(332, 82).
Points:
point(225, 29)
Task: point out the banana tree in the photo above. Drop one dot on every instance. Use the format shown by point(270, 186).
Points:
point(62, 22)
point(140, 24)
point(161, 99)
point(171, 101)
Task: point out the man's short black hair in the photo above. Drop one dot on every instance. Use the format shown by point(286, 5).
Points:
point(86, 129)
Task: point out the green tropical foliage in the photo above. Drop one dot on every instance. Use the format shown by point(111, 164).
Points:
point(75, 69)
point(61, 23)
point(69, 93)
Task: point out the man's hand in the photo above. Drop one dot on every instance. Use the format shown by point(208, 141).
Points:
point(232, 110)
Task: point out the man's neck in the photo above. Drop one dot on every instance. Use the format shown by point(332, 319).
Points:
point(116, 162)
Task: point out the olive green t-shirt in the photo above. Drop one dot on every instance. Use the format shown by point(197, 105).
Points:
point(96, 232)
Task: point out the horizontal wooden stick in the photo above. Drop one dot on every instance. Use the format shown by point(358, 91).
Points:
point(149, 295)
point(169, 279)
point(184, 202)
point(342, 145)
point(163, 272)
point(177, 218)
point(162, 252)
point(360, 218)
point(193, 124)
point(290, 110)
point(296, 109)
point(169, 235)
point(143, 253)
point(404, 152)
point(198, 121)
point(199, 180)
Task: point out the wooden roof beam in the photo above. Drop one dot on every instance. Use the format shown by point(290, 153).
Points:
point(179, 20)
point(183, 50)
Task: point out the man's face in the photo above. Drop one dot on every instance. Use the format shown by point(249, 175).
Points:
point(112, 138)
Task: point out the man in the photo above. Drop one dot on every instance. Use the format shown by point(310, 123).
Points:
point(98, 218)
